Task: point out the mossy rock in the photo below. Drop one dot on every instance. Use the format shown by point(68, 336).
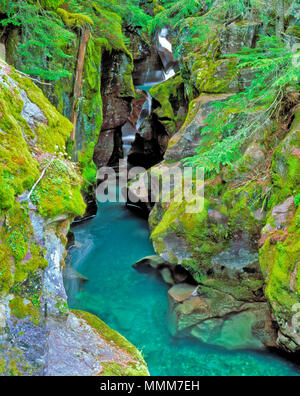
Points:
point(286, 163)
point(33, 135)
point(168, 96)
point(135, 364)
point(215, 76)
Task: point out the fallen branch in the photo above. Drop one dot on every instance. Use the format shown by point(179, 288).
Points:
point(40, 178)
point(33, 79)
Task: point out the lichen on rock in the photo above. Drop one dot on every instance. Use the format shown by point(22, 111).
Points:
point(40, 197)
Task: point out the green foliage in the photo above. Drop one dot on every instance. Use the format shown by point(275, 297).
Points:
point(234, 121)
point(132, 14)
point(195, 21)
point(43, 37)
point(88, 167)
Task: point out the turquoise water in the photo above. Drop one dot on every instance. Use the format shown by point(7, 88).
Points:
point(136, 304)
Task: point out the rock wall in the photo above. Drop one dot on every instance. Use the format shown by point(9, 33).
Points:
point(243, 247)
point(39, 198)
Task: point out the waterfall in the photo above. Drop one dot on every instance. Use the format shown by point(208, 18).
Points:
point(167, 51)
point(145, 112)
point(166, 54)
point(164, 42)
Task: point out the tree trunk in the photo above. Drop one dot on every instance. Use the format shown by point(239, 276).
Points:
point(280, 18)
point(78, 78)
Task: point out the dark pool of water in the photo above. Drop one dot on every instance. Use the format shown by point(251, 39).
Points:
point(136, 304)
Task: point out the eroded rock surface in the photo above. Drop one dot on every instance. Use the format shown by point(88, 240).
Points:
point(38, 333)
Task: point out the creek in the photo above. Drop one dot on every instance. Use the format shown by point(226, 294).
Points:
point(136, 304)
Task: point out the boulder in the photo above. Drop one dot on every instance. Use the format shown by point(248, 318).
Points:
point(219, 319)
point(148, 263)
point(104, 148)
point(238, 35)
point(184, 142)
point(167, 276)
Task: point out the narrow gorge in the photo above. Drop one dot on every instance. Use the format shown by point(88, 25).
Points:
point(131, 279)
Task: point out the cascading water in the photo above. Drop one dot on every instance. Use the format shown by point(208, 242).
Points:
point(166, 54)
point(166, 49)
point(129, 131)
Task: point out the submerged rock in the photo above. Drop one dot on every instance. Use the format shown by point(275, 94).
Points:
point(146, 263)
point(219, 319)
point(170, 274)
point(71, 273)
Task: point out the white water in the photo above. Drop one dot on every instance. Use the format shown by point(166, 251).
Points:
point(167, 45)
point(129, 135)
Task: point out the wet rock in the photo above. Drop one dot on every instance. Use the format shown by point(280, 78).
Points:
point(116, 93)
point(237, 261)
point(147, 150)
point(167, 276)
point(219, 319)
point(245, 330)
point(148, 262)
point(149, 68)
point(180, 274)
point(182, 292)
point(137, 106)
point(104, 148)
point(164, 48)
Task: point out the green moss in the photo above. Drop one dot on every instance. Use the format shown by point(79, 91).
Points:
point(18, 169)
point(21, 309)
point(279, 261)
point(113, 369)
point(51, 4)
point(164, 94)
point(241, 203)
point(157, 7)
point(88, 167)
point(20, 255)
point(203, 236)
point(214, 76)
point(59, 192)
point(52, 136)
point(13, 363)
point(286, 163)
point(2, 366)
point(74, 19)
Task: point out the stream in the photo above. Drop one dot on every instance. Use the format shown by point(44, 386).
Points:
point(136, 304)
